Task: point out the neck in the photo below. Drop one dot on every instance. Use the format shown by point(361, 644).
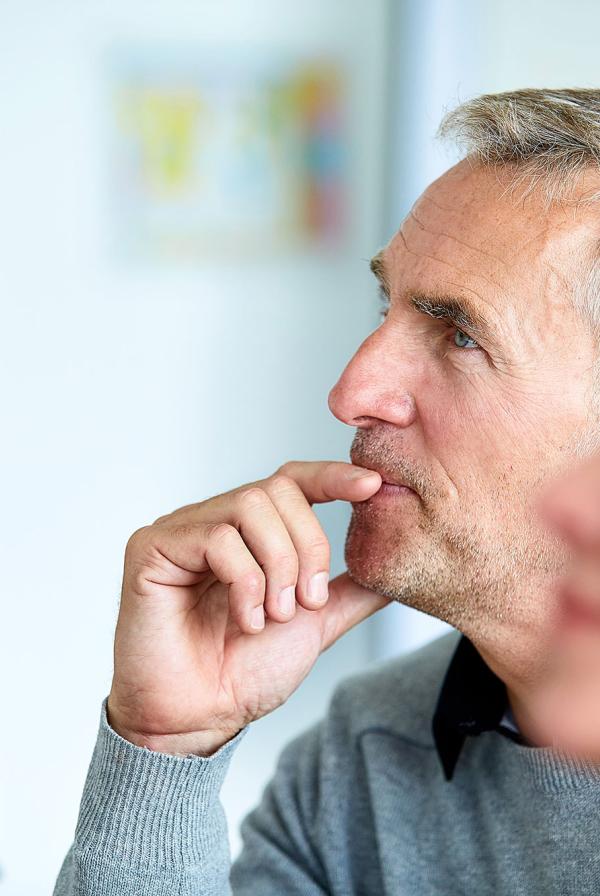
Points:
point(522, 663)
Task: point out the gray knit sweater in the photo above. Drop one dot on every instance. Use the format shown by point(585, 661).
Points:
point(358, 806)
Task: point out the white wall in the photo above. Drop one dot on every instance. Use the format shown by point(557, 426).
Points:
point(127, 393)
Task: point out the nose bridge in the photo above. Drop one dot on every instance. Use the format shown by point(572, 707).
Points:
point(379, 382)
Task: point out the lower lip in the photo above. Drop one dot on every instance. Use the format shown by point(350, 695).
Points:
point(387, 489)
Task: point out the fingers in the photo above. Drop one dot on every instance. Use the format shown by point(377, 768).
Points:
point(280, 528)
point(322, 481)
point(265, 523)
point(234, 565)
point(308, 538)
point(263, 540)
point(319, 481)
point(180, 554)
point(266, 535)
point(296, 486)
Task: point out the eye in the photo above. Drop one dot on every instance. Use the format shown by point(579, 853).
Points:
point(463, 341)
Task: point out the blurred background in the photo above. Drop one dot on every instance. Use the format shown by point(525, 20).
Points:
point(189, 196)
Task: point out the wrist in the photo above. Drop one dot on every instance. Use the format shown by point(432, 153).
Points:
point(202, 743)
point(198, 743)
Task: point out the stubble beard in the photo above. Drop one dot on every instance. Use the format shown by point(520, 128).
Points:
point(487, 571)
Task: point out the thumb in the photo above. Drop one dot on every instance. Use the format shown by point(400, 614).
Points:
point(348, 604)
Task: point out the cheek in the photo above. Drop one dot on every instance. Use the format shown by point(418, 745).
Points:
point(482, 428)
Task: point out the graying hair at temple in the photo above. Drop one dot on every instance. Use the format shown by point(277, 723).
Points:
point(541, 140)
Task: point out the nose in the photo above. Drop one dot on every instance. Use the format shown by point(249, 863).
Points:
point(376, 385)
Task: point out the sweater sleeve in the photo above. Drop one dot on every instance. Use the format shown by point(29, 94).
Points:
point(149, 823)
point(153, 823)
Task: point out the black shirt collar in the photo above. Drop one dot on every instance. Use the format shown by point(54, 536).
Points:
point(472, 700)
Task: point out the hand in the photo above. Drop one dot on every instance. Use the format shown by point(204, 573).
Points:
point(195, 659)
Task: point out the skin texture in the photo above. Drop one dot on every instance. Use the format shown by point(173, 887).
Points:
point(476, 431)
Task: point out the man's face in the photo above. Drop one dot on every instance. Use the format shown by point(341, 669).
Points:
point(474, 391)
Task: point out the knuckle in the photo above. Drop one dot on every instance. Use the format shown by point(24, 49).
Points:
point(136, 539)
point(286, 468)
point(254, 581)
point(183, 530)
point(218, 532)
point(287, 560)
point(317, 546)
point(138, 580)
point(282, 484)
point(253, 497)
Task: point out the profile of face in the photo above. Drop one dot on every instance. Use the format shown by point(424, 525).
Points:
point(474, 392)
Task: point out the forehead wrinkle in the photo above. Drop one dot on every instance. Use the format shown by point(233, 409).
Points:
point(464, 243)
point(547, 236)
point(542, 234)
point(451, 265)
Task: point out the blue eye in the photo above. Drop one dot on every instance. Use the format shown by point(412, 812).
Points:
point(463, 341)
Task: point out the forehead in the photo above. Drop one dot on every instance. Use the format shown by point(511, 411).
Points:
point(468, 234)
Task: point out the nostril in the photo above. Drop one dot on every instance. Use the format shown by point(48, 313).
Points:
point(363, 422)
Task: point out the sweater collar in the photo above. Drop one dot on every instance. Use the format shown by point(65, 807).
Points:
point(472, 700)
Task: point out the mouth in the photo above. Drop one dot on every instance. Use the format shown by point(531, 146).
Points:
point(390, 484)
point(393, 490)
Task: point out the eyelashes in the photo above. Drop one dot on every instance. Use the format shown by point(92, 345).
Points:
point(458, 342)
point(458, 332)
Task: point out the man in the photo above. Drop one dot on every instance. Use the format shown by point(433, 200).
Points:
point(477, 389)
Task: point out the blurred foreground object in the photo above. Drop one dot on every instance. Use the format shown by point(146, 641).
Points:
point(571, 706)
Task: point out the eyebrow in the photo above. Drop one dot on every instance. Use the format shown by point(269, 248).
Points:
point(460, 312)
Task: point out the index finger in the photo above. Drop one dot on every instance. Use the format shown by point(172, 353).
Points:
point(330, 480)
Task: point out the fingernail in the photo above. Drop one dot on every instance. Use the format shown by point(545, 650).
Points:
point(257, 618)
point(317, 588)
point(359, 473)
point(287, 600)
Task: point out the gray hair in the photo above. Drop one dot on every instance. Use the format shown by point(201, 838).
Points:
point(546, 140)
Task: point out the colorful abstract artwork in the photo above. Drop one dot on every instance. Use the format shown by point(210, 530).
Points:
point(216, 158)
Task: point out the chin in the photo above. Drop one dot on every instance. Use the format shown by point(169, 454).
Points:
point(398, 567)
point(373, 543)
point(368, 559)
